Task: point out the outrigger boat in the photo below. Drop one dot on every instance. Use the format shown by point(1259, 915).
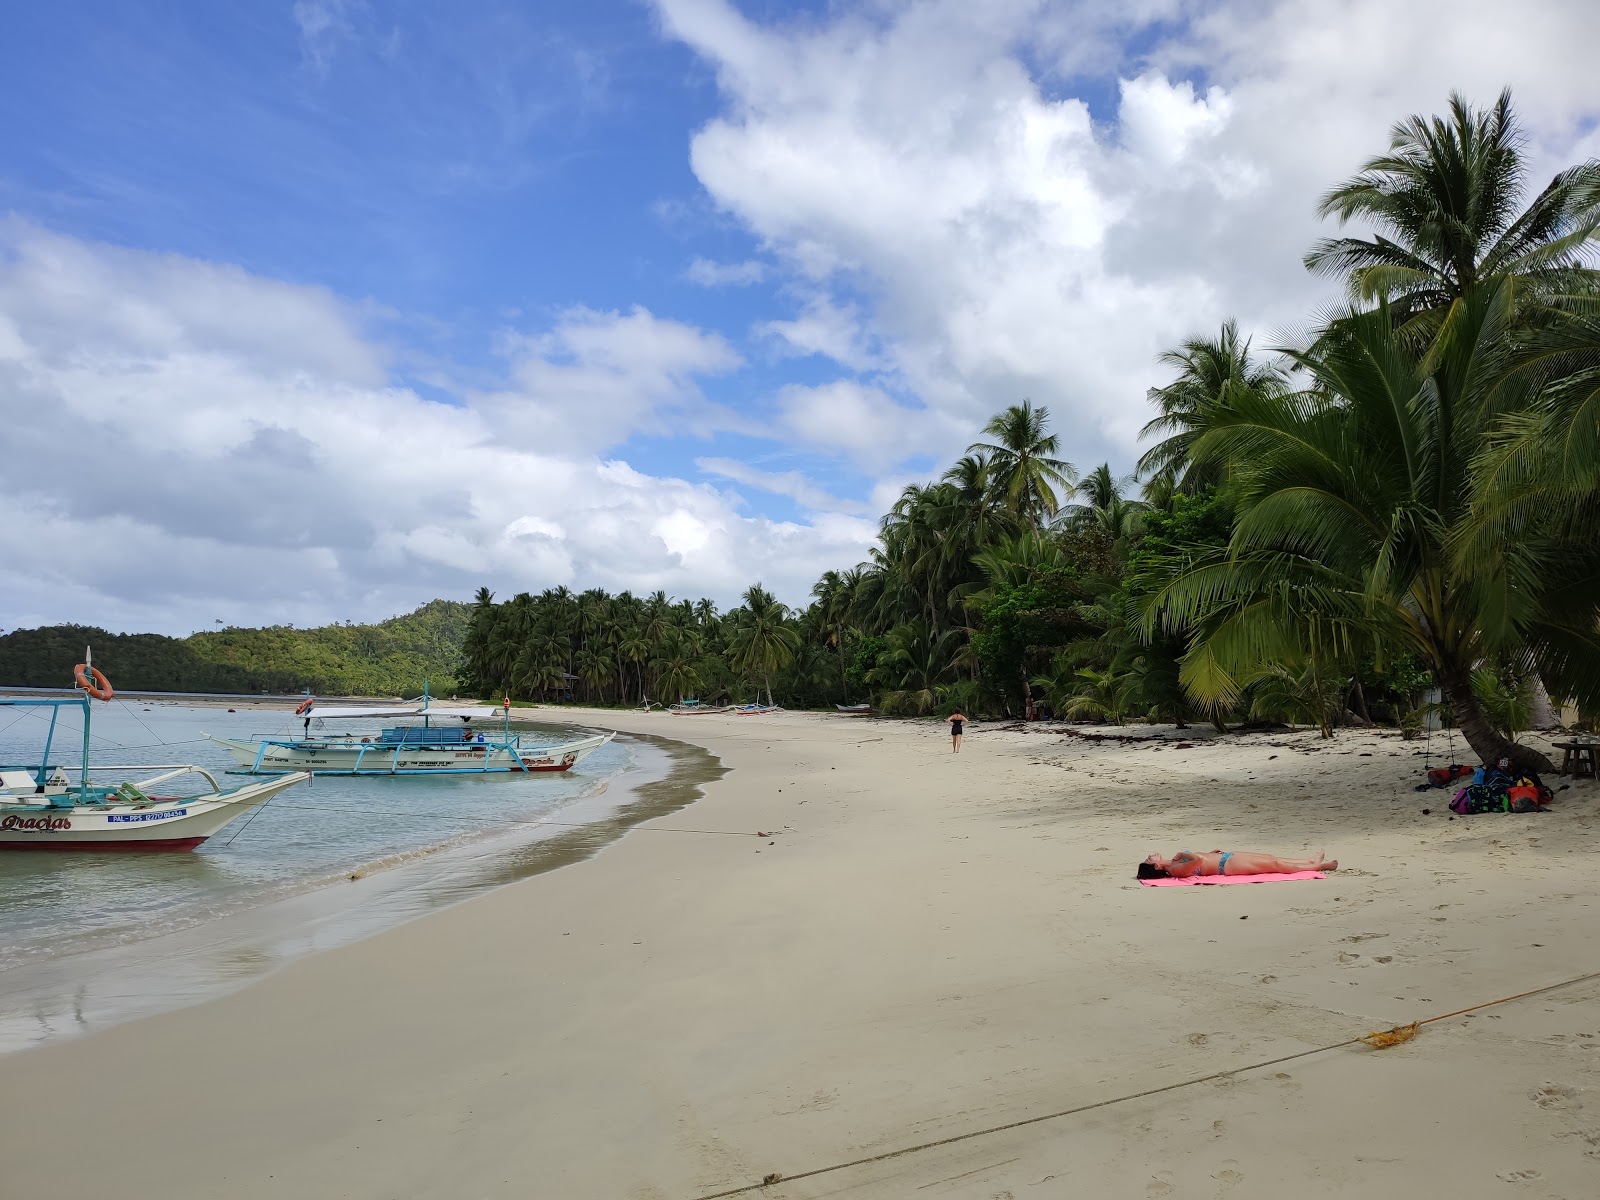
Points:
point(694, 708)
point(453, 748)
point(855, 710)
point(42, 809)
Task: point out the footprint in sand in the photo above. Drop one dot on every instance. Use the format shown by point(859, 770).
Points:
point(1524, 1176)
point(1346, 958)
point(1556, 1096)
point(1198, 1039)
point(1230, 1176)
point(1159, 1186)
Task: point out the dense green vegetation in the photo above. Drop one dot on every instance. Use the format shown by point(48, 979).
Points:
point(1408, 500)
point(389, 658)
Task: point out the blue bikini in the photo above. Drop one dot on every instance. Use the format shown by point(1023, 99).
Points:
point(1222, 863)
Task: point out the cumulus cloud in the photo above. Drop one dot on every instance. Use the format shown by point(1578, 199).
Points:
point(187, 443)
point(603, 377)
point(936, 161)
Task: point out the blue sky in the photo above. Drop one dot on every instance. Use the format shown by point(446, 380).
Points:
point(383, 301)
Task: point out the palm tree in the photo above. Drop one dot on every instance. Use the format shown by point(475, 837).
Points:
point(1354, 496)
point(834, 595)
point(1446, 201)
point(913, 667)
point(1105, 508)
point(762, 641)
point(635, 648)
point(1212, 374)
point(1023, 463)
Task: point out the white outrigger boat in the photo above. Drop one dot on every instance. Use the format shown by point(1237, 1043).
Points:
point(42, 809)
point(453, 748)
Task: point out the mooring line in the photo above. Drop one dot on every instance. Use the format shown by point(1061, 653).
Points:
point(778, 1177)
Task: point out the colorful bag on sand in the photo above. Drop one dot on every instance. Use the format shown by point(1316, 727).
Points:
point(1440, 776)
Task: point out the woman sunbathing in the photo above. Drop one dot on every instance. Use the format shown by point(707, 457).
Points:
point(1229, 862)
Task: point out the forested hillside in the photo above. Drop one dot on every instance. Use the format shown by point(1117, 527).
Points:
point(389, 658)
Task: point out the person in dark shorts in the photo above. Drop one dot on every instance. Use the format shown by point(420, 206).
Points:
point(958, 722)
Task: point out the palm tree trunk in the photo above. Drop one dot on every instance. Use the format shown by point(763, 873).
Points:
point(1541, 712)
point(844, 685)
point(1455, 680)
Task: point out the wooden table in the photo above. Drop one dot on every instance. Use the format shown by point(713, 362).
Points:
point(1577, 759)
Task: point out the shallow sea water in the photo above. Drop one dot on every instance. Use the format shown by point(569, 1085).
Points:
point(325, 831)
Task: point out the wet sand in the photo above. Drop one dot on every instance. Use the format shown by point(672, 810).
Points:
point(930, 953)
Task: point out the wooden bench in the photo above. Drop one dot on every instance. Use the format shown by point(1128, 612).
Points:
point(1577, 759)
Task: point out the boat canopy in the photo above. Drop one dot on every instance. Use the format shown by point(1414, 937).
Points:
point(466, 714)
point(365, 713)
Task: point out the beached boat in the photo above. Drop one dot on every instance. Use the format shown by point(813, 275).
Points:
point(450, 747)
point(855, 710)
point(693, 708)
point(757, 710)
point(41, 808)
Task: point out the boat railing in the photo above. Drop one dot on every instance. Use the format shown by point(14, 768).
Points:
point(171, 771)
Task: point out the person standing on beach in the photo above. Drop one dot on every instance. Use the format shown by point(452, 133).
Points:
point(958, 722)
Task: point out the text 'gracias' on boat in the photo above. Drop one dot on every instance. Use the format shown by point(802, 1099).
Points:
point(42, 809)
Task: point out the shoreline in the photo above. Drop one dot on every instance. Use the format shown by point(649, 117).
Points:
point(79, 992)
point(927, 946)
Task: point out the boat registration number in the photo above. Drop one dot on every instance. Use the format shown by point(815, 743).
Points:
point(133, 818)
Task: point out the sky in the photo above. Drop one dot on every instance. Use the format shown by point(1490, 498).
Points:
point(315, 310)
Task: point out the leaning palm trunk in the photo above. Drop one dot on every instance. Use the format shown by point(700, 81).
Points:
point(1487, 742)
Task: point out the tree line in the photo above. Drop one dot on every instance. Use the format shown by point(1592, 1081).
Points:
point(1326, 531)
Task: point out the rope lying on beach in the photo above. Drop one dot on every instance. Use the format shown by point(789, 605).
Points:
point(778, 1177)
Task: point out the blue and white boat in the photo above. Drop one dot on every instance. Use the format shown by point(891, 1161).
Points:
point(445, 742)
point(41, 808)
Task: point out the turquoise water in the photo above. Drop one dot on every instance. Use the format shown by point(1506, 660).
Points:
point(309, 836)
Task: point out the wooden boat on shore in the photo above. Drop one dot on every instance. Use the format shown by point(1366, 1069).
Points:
point(42, 809)
point(693, 708)
point(757, 710)
point(450, 748)
point(855, 710)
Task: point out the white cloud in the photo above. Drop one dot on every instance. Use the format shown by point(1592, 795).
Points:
point(827, 329)
point(860, 421)
point(915, 157)
point(599, 378)
point(323, 26)
point(792, 484)
point(186, 442)
point(707, 273)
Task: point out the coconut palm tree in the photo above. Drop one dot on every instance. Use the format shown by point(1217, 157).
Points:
point(1104, 506)
point(1023, 464)
point(834, 593)
point(762, 640)
point(1446, 201)
point(1212, 373)
point(1354, 494)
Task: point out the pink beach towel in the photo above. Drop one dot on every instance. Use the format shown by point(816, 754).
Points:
point(1232, 879)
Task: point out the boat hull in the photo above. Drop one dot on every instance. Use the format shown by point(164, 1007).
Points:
point(372, 758)
point(162, 824)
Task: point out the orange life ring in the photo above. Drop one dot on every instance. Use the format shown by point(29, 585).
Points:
point(304, 706)
point(100, 688)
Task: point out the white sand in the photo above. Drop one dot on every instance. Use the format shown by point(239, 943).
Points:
point(933, 946)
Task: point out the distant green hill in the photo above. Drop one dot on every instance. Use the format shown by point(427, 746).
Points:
point(390, 658)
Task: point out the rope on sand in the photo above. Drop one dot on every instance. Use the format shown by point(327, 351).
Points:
point(1398, 1035)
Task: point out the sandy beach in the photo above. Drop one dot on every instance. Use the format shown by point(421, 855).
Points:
point(926, 948)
